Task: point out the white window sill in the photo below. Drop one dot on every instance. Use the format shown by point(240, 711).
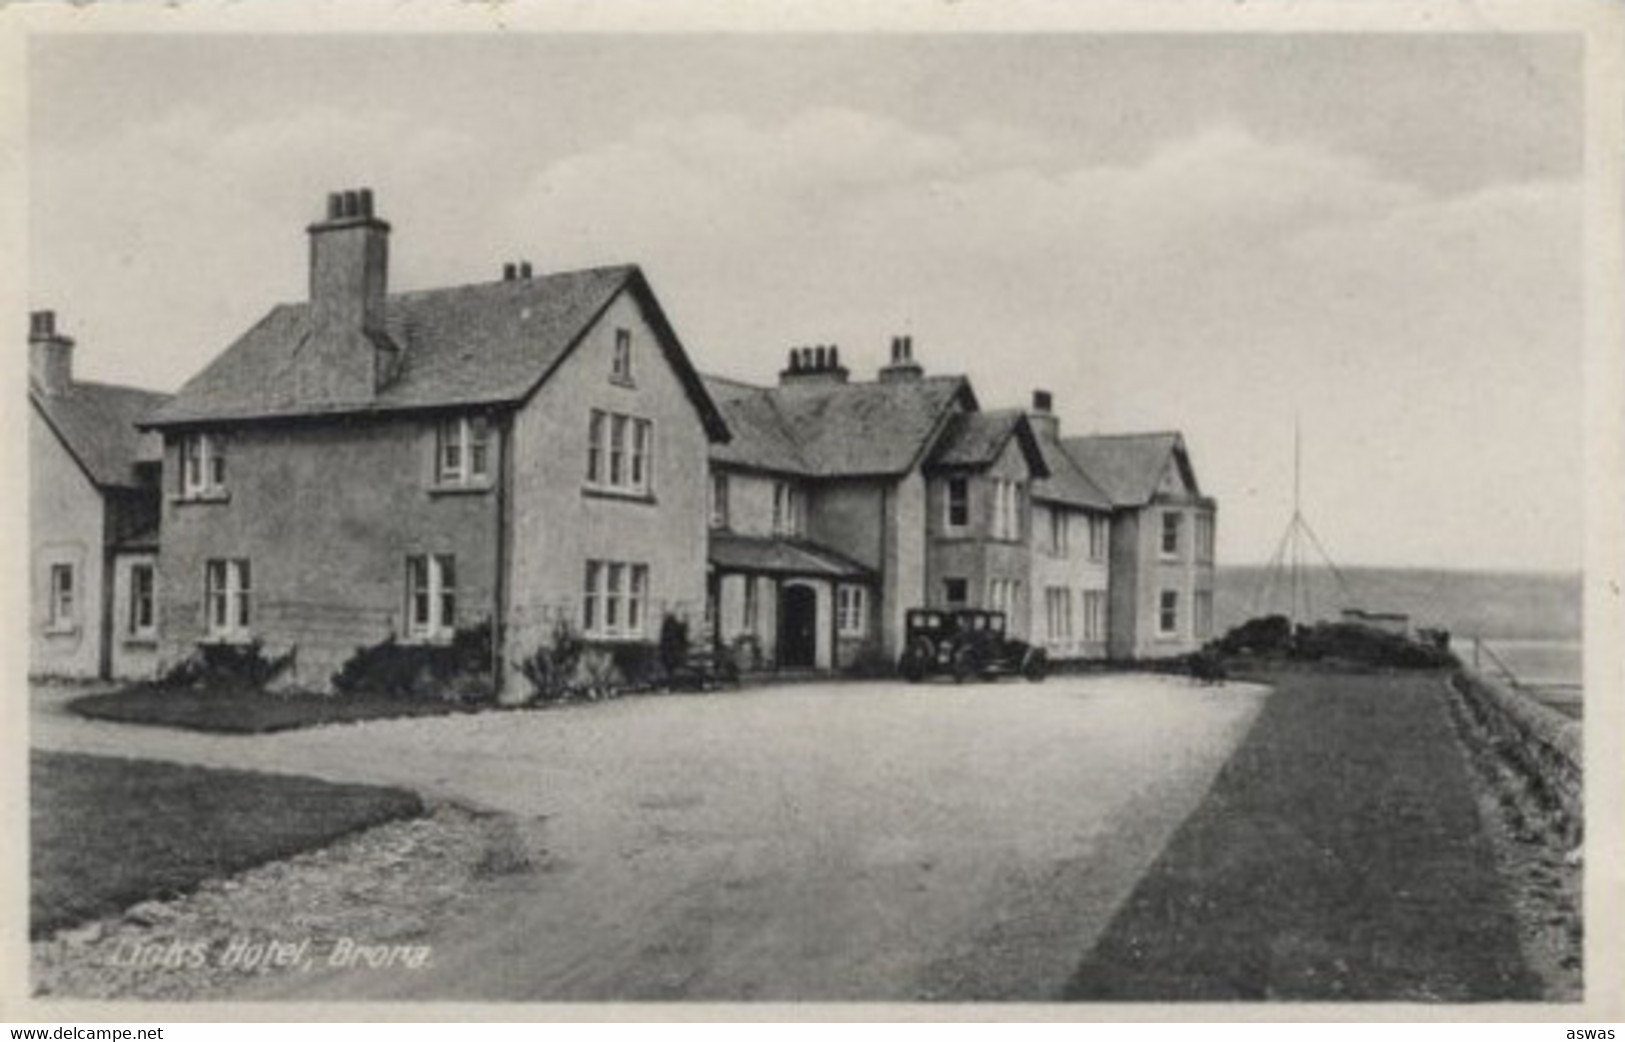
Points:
point(630, 495)
point(61, 629)
point(213, 495)
point(616, 638)
point(236, 638)
point(437, 639)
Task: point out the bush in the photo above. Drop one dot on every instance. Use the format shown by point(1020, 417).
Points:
point(1368, 646)
point(1269, 635)
point(551, 668)
point(674, 644)
point(227, 667)
point(459, 671)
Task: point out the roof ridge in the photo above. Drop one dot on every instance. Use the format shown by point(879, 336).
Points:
point(1120, 435)
point(103, 385)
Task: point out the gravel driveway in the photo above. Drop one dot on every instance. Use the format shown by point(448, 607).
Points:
point(817, 842)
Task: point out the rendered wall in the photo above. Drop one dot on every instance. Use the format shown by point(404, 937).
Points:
point(559, 524)
point(67, 525)
point(326, 514)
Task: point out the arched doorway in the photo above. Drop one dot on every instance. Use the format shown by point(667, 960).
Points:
point(798, 626)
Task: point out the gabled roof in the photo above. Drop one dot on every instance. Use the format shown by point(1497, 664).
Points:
point(97, 423)
point(1129, 467)
point(837, 430)
point(761, 438)
point(490, 343)
point(1067, 483)
point(771, 555)
point(977, 439)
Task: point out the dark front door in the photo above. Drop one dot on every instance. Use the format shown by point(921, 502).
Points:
point(798, 627)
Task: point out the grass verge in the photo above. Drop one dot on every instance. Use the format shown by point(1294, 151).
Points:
point(107, 833)
point(1339, 856)
point(248, 712)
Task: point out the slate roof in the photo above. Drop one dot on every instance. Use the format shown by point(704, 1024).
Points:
point(977, 439)
point(781, 556)
point(836, 430)
point(1127, 467)
point(489, 343)
point(97, 423)
point(1067, 483)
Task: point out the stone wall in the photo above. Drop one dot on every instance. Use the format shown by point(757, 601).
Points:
point(1541, 743)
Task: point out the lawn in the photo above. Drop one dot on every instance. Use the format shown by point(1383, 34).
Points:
point(107, 833)
point(248, 712)
point(1338, 856)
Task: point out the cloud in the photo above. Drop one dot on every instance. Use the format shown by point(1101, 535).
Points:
point(1223, 284)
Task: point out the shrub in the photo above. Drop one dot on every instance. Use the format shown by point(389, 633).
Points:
point(1368, 646)
point(1267, 635)
point(551, 668)
point(674, 644)
point(228, 667)
point(458, 671)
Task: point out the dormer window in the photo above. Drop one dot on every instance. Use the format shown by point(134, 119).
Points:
point(203, 466)
point(463, 451)
point(621, 366)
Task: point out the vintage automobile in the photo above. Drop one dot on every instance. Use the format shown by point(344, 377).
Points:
point(965, 643)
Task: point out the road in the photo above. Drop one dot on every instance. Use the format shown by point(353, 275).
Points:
point(819, 842)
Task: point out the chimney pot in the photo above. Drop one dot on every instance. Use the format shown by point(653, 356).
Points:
point(795, 360)
point(42, 325)
point(821, 358)
point(366, 202)
point(509, 273)
point(524, 269)
point(1043, 401)
point(335, 205)
point(834, 356)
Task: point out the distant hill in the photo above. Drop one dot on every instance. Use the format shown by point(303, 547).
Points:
point(1528, 605)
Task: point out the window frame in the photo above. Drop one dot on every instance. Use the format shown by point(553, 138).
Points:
point(1060, 532)
point(719, 499)
point(202, 466)
point(1168, 613)
point(1094, 615)
point(233, 595)
point(956, 500)
point(620, 363)
point(620, 453)
point(141, 620)
point(1172, 523)
point(1099, 537)
point(615, 601)
point(851, 610)
point(62, 609)
point(787, 509)
point(467, 439)
point(427, 582)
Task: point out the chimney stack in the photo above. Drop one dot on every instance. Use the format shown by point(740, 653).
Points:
point(813, 366)
point(1042, 416)
point(350, 357)
point(902, 366)
point(50, 354)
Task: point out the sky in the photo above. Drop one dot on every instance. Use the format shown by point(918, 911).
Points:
point(1376, 237)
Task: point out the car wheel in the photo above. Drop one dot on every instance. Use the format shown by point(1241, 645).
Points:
point(1035, 665)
